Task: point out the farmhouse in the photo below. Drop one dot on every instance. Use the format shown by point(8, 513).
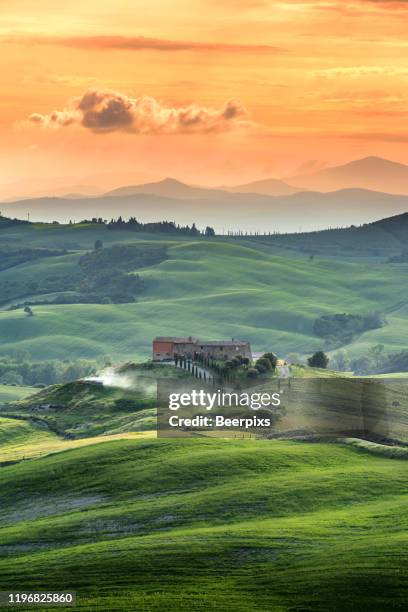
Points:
point(165, 348)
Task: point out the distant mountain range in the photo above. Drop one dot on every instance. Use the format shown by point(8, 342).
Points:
point(303, 211)
point(358, 192)
point(370, 173)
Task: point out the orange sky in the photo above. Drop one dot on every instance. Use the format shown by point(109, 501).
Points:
point(310, 81)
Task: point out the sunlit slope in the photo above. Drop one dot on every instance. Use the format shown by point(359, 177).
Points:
point(219, 524)
point(24, 439)
point(213, 289)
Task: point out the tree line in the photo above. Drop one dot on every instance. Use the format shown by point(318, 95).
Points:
point(159, 227)
point(213, 371)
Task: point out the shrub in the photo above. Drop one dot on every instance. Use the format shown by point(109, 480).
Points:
point(318, 360)
point(272, 358)
point(264, 363)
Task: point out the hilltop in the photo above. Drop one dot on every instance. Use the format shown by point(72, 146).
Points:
point(373, 173)
point(270, 186)
point(169, 188)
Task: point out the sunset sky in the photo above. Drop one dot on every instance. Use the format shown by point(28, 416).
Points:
point(208, 91)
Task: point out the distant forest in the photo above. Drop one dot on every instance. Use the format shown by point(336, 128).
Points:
point(160, 227)
point(132, 225)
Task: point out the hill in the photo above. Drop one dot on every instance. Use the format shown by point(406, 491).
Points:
point(151, 522)
point(372, 173)
point(272, 187)
point(169, 188)
point(378, 239)
point(116, 402)
point(267, 290)
point(91, 501)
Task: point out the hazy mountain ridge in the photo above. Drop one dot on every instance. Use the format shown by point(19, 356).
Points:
point(303, 211)
point(230, 209)
point(270, 186)
point(372, 173)
point(169, 188)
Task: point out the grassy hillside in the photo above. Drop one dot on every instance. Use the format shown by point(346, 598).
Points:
point(80, 409)
point(267, 290)
point(21, 440)
point(90, 501)
point(206, 288)
point(209, 524)
point(84, 408)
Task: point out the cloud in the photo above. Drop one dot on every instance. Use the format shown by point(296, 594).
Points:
point(140, 43)
point(104, 111)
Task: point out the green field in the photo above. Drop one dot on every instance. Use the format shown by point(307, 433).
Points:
point(10, 393)
point(91, 501)
point(209, 524)
point(206, 288)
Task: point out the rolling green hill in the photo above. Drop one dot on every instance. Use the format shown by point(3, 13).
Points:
point(85, 408)
point(90, 501)
point(257, 289)
point(209, 524)
point(81, 409)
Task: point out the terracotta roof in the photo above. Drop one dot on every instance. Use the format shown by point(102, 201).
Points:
point(174, 339)
point(193, 340)
point(224, 343)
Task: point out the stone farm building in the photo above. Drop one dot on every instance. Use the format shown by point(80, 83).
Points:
point(165, 348)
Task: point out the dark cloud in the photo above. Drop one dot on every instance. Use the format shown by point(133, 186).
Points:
point(103, 111)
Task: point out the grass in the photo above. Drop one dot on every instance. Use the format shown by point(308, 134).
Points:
point(9, 393)
point(209, 524)
point(83, 409)
point(131, 522)
point(24, 440)
point(202, 288)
